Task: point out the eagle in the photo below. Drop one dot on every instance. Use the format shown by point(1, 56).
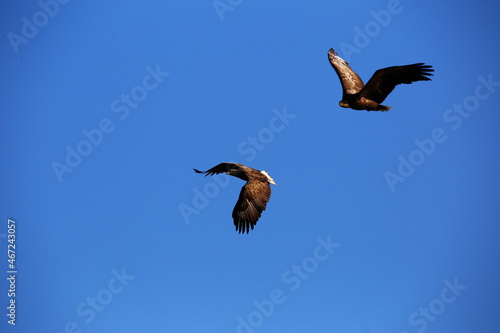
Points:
point(254, 195)
point(357, 96)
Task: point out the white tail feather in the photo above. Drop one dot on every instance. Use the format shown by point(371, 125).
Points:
point(268, 177)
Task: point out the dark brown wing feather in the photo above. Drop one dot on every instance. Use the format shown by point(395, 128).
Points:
point(220, 168)
point(351, 82)
point(253, 199)
point(385, 80)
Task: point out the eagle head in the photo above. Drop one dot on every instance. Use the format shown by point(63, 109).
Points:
point(344, 104)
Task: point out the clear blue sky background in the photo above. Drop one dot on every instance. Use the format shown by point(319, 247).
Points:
point(398, 247)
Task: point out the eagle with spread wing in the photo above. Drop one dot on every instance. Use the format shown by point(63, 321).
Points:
point(254, 195)
point(357, 96)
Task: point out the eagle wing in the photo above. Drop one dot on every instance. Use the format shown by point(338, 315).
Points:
point(253, 199)
point(351, 82)
point(220, 168)
point(385, 80)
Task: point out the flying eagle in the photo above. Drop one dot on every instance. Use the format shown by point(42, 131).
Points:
point(253, 196)
point(357, 96)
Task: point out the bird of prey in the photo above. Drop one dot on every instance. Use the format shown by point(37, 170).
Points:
point(253, 196)
point(357, 96)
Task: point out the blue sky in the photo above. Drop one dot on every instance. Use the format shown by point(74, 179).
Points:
point(381, 222)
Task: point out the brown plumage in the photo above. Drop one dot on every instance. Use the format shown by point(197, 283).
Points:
point(253, 196)
point(357, 96)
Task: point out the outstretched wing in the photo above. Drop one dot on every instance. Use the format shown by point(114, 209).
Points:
point(253, 199)
point(385, 80)
point(351, 82)
point(221, 168)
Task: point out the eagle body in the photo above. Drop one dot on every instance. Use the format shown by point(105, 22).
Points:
point(254, 195)
point(358, 96)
